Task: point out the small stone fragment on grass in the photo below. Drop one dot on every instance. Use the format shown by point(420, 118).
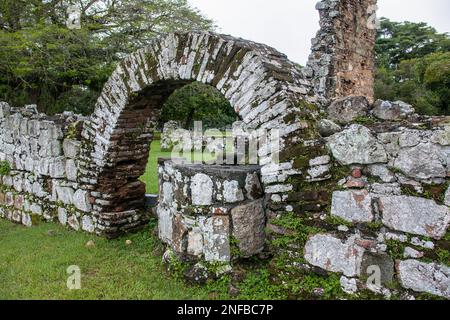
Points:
point(90, 244)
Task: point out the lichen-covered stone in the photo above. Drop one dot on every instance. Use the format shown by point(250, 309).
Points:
point(327, 128)
point(232, 193)
point(249, 221)
point(386, 110)
point(349, 285)
point(353, 206)
point(81, 200)
point(332, 254)
point(87, 224)
point(415, 215)
point(71, 148)
point(346, 110)
point(382, 172)
point(202, 190)
point(216, 234)
point(5, 110)
point(425, 277)
point(423, 161)
point(356, 145)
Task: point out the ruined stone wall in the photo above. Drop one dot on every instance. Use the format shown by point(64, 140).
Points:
point(378, 200)
point(41, 154)
point(342, 60)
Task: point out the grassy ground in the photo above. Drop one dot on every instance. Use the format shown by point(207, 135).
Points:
point(33, 264)
point(151, 173)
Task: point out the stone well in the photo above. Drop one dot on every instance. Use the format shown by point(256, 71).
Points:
point(204, 211)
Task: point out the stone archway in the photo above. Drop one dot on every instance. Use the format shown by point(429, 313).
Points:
point(265, 89)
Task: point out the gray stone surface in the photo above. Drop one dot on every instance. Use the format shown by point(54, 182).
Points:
point(71, 148)
point(216, 234)
point(349, 285)
point(415, 215)
point(412, 253)
point(447, 197)
point(387, 110)
point(332, 254)
point(232, 193)
point(356, 145)
point(423, 161)
point(202, 190)
point(81, 200)
point(425, 277)
point(5, 110)
point(327, 128)
point(346, 110)
point(353, 206)
point(249, 222)
point(382, 172)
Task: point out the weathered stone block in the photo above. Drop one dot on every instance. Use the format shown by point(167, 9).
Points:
point(346, 110)
point(353, 206)
point(424, 161)
point(249, 222)
point(216, 236)
point(386, 110)
point(232, 193)
point(87, 224)
point(81, 200)
point(71, 148)
point(5, 110)
point(425, 277)
point(415, 215)
point(332, 254)
point(356, 145)
point(327, 128)
point(202, 190)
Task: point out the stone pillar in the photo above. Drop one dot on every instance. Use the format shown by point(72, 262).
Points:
point(342, 61)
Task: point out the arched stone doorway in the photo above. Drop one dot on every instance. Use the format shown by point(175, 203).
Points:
point(265, 89)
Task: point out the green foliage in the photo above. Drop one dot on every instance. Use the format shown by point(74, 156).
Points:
point(399, 41)
point(375, 226)
point(258, 286)
point(5, 168)
point(337, 221)
point(413, 66)
point(42, 61)
point(423, 82)
point(298, 231)
point(395, 249)
point(444, 256)
point(199, 102)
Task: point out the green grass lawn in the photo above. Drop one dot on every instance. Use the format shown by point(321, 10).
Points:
point(33, 264)
point(150, 178)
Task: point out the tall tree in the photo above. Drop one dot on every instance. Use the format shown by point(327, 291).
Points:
point(397, 41)
point(43, 61)
point(413, 62)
